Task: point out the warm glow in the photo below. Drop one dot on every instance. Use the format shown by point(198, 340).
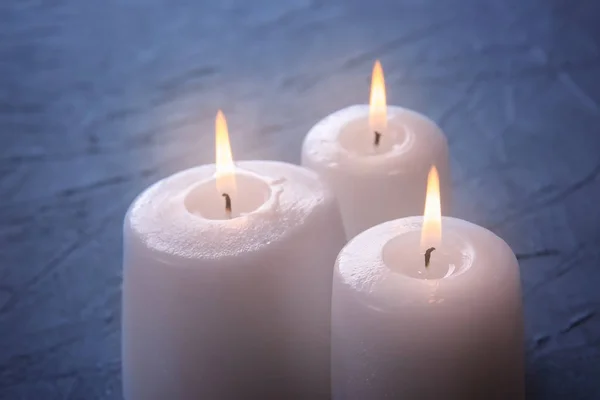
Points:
point(431, 233)
point(378, 104)
point(225, 167)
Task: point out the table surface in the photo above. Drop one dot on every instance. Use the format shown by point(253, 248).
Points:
point(98, 99)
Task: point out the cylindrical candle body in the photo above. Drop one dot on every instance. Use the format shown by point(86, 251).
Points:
point(375, 184)
point(403, 331)
point(230, 309)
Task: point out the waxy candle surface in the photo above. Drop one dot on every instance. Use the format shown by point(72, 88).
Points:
point(375, 184)
point(219, 308)
point(452, 330)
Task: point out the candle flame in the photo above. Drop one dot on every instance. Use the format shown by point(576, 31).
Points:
point(377, 104)
point(225, 175)
point(431, 232)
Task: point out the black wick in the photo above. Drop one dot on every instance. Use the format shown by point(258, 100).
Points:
point(428, 255)
point(227, 204)
point(377, 138)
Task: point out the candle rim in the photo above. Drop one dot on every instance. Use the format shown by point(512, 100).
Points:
point(159, 218)
point(360, 266)
point(321, 146)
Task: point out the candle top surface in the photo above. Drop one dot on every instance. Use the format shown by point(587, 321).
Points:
point(385, 265)
point(344, 139)
point(164, 221)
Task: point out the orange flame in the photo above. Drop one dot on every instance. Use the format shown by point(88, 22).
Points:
point(377, 104)
point(225, 175)
point(431, 232)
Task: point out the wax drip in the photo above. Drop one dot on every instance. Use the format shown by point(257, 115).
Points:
point(428, 255)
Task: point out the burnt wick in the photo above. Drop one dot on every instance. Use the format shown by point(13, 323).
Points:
point(428, 256)
point(377, 138)
point(227, 204)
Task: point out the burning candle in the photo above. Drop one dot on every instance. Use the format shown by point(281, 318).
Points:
point(227, 283)
point(376, 159)
point(421, 313)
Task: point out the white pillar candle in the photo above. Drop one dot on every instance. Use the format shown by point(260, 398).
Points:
point(377, 183)
point(452, 330)
point(220, 305)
